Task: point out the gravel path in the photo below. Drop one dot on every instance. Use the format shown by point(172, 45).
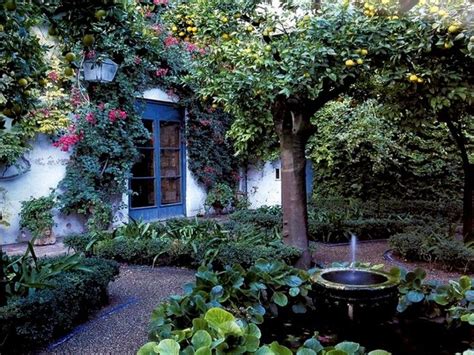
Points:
point(373, 252)
point(121, 327)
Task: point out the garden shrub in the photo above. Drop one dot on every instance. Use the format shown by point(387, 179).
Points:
point(433, 243)
point(186, 242)
point(335, 219)
point(32, 321)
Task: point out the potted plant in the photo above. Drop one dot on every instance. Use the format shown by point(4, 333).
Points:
point(219, 197)
point(37, 217)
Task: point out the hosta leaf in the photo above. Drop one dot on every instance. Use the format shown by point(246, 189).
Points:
point(147, 349)
point(280, 349)
point(379, 352)
point(313, 344)
point(348, 346)
point(306, 351)
point(294, 291)
point(415, 296)
point(218, 316)
point(201, 339)
point(280, 299)
point(203, 351)
point(168, 347)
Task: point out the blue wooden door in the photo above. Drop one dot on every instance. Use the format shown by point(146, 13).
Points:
point(158, 178)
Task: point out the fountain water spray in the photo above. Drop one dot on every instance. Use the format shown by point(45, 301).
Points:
point(353, 249)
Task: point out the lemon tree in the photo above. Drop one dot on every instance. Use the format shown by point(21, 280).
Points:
point(430, 78)
point(274, 68)
point(22, 73)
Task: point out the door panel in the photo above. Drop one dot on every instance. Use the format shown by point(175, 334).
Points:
point(157, 180)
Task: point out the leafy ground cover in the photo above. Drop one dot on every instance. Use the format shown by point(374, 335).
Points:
point(185, 242)
point(237, 310)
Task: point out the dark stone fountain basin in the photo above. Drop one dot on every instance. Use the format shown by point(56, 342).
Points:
point(356, 294)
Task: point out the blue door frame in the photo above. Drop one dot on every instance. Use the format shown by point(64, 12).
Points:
point(157, 113)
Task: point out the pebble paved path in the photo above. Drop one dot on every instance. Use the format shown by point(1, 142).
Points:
point(121, 327)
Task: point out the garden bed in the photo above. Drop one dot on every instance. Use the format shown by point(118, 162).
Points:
point(31, 321)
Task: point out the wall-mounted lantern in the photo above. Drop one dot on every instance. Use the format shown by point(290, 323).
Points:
point(102, 71)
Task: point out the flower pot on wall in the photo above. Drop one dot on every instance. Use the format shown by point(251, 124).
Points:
point(47, 238)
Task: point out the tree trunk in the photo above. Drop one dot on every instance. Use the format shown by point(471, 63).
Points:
point(468, 202)
point(294, 129)
point(461, 142)
point(3, 295)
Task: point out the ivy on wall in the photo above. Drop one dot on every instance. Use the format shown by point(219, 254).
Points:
point(211, 156)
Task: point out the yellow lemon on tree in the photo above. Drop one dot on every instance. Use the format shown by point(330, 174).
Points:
point(181, 34)
point(306, 75)
point(453, 29)
point(225, 37)
point(442, 13)
point(10, 5)
point(23, 82)
point(224, 19)
point(69, 71)
point(349, 63)
point(194, 29)
point(419, 80)
point(434, 9)
point(360, 61)
point(249, 28)
point(174, 28)
point(70, 57)
point(448, 45)
point(189, 29)
point(413, 78)
point(214, 106)
point(100, 14)
point(88, 40)
point(364, 52)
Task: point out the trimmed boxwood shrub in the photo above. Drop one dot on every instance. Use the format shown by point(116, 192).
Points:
point(32, 321)
point(433, 243)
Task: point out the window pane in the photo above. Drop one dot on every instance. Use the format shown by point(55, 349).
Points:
point(170, 191)
point(169, 134)
point(145, 167)
point(149, 127)
point(143, 193)
point(169, 161)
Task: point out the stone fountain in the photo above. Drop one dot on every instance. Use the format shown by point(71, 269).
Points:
point(354, 293)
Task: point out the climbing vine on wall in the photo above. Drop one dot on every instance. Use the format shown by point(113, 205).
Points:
point(210, 153)
point(107, 127)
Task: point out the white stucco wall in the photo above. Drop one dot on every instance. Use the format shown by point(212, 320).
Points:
point(262, 186)
point(48, 166)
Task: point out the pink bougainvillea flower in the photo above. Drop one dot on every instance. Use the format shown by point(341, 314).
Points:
point(53, 76)
point(161, 72)
point(101, 106)
point(69, 140)
point(137, 60)
point(191, 47)
point(90, 118)
point(157, 28)
point(90, 54)
point(115, 115)
point(171, 41)
point(160, 2)
point(76, 99)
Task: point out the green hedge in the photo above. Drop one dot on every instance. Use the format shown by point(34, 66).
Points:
point(164, 252)
point(364, 229)
point(433, 243)
point(32, 321)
